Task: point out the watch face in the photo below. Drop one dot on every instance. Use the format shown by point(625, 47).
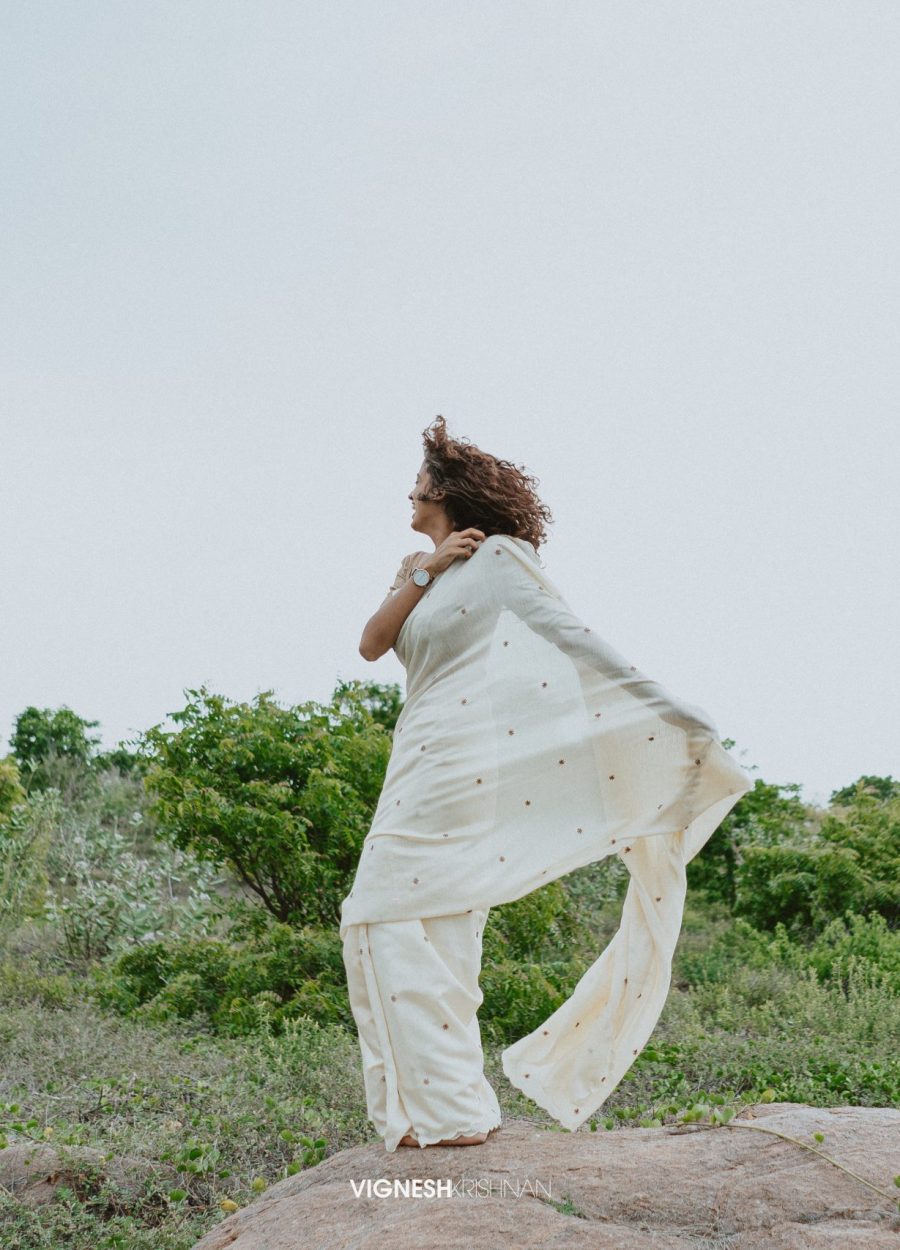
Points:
point(420, 577)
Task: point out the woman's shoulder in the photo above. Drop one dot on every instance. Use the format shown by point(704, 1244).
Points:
point(407, 564)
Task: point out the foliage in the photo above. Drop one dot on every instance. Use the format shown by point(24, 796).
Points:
point(11, 790)
point(763, 817)
point(742, 948)
point(42, 735)
point(107, 897)
point(25, 839)
point(262, 975)
point(851, 864)
point(285, 797)
point(878, 787)
point(238, 1062)
point(121, 760)
point(384, 702)
point(519, 995)
point(537, 925)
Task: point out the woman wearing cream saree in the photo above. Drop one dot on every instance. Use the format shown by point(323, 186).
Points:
point(526, 747)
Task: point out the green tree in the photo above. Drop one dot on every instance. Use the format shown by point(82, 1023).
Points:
point(284, 797)
point(766, 816)
point(879, 787)
point(49, 744)
point(850, 863)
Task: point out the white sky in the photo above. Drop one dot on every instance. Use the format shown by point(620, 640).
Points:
point(648, 250)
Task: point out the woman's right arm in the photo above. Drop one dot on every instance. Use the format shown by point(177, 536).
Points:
point(382, 629)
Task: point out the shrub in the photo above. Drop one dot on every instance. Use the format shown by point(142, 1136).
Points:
point(53, 749)
point(850, 864)
point(25, 836)
point(284, 797)
point(12, 792)
point(261, 975)
point(519, 996)
point(768, 815)
point(535, 924)
point(106, 897)
point(866, 941)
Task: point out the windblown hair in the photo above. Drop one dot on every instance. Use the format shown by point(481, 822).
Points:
point(481, 490)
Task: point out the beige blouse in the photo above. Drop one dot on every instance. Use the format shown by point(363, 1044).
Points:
point(404, 573)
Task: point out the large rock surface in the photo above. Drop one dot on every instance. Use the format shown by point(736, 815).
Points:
point(631, 1189)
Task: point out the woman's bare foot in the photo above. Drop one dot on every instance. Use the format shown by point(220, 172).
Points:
point(476, 1139)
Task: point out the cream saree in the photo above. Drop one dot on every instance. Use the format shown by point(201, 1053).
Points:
point(526, 747)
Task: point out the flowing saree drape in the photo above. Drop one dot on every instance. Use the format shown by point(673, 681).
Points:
point(528, 747)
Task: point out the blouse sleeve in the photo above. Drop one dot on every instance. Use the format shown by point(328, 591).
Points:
point(523, 590)
point(404, 572)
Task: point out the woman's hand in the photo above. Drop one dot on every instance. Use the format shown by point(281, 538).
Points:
point(461, 544)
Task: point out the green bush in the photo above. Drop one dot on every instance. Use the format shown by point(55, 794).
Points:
point(866, 942)
point(12, 792)
point(25, 839)
point(43, 738)
point(284, 797)
point(535, 926)
point(850, 864)
point(519, 996)
point(768, 815)
point(105, 897)
point(259, 976)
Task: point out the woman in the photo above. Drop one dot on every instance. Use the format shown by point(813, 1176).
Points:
point(526, 747)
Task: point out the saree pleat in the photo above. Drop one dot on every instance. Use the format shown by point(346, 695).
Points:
point(414, 991)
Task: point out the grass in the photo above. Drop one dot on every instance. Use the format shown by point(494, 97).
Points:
point(209, 1119)
point(203, 1122)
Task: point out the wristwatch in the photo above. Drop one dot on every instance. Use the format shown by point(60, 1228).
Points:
point(422, 577)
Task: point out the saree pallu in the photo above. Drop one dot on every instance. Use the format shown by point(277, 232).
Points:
point(528, 747)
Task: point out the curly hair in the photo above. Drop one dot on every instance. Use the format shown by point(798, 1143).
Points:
point(481, 490)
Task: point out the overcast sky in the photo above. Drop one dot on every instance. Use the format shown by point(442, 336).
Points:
point(648, 251)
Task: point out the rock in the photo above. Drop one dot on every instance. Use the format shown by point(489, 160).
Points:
point(688, 1186)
